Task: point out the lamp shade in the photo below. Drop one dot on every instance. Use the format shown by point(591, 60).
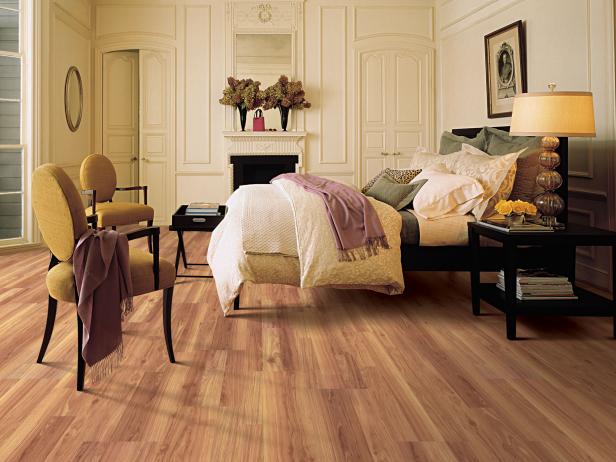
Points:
point(557, 113)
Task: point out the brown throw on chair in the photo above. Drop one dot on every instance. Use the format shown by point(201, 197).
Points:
point(105, 291)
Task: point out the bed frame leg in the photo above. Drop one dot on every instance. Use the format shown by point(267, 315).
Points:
point(236, 303)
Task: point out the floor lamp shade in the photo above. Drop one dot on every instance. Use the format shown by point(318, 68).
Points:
point(550, 115)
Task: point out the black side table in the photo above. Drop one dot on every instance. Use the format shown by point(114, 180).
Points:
point(180, 222)
point(587, 304)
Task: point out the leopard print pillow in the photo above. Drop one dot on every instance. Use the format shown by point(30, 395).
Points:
point(402, 176)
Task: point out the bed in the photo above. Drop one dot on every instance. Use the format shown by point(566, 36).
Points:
point(458, 257)
point(307, 260)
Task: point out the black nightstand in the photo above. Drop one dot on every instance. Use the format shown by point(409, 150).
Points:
point(587, 304)
point(180, 222)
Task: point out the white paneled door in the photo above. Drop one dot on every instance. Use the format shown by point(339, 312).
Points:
point(121, 117)
point(138, 123)
point(156, 126)
point(396, 110)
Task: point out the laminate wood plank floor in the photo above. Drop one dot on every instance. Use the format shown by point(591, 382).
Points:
point(317, 375)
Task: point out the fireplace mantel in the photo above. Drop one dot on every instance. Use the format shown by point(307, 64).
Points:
point(266, 143)
point(263, 143)
point(266, 134)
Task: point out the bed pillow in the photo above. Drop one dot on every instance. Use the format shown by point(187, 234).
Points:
point(525, 187)
point(397, 195)
point(421, 159)
point(445, 194)
point(495, 173)
point(400, 175)
point(453, 143)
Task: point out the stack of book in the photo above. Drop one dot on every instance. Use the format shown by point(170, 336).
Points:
point(502, 225)
point(539, 285)
point(203, 209)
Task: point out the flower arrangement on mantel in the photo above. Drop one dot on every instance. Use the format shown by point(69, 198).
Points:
point(515, 210)
point(285, 95)
point(243, 94)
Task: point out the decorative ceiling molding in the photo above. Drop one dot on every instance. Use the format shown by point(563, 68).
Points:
point(264, 15)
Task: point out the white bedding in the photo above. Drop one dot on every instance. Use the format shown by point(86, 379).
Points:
point(239, 251)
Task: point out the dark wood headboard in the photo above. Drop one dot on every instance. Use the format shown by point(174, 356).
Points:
point(563, 168)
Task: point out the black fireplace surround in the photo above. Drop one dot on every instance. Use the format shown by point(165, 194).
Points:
point(260, 169)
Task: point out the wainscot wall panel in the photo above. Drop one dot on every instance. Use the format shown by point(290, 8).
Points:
point(198, 68)
point(124, 18)
point(383, 20)
point(333, 86)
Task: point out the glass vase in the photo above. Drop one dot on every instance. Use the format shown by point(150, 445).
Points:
point(243, 112)
point(284, 117)
point(515, 219)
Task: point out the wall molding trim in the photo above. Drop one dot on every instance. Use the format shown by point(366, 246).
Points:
point(474, 17)
point(586, 193)
point(71, 21)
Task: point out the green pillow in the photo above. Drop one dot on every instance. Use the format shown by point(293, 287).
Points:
point(453, 143)
point(501, 142)
point(388, 190)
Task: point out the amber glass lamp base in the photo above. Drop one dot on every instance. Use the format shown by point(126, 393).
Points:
point(549, 203)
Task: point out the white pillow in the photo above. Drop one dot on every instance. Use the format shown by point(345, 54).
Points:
point(422, 159)
point(445, 194)
point(495, 173)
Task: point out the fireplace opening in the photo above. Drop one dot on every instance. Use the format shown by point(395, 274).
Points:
point(260, 169)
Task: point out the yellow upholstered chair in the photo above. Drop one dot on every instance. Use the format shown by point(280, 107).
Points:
point(62, 220)
point(98, 174)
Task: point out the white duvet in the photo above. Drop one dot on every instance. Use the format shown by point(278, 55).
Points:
point(280, 234)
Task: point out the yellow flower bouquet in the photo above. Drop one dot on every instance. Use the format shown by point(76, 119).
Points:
point(509, 208)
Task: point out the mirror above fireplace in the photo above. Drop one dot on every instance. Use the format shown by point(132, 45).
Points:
point(266, 41)
point(263, 57)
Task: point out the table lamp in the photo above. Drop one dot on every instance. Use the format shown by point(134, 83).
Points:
point(550, 115)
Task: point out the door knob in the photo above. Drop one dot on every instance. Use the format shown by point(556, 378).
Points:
point(144, 159)
point(384, 153)
point(397, 153)
point(133, 159)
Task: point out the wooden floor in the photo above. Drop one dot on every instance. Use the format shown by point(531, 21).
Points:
point(296, 374)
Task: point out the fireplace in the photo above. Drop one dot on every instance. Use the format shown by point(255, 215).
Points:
point(257, 157)
point(256, 169)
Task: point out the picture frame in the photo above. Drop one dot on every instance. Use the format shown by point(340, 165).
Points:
point(505, 56)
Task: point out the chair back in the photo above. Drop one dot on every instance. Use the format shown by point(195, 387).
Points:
point(97, 172)
point(58, 209)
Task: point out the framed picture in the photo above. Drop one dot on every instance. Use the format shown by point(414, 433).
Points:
point(505, 68)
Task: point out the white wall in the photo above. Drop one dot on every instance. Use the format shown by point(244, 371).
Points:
point(199, 32)
point(66, 42)
point(570, 42)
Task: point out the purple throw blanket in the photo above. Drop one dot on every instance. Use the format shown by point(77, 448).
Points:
point(354, 222)
point(102, 273)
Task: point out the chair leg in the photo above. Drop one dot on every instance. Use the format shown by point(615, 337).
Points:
point(81, 363)
point(52, 306)
point(150, 223)
point(167, 302)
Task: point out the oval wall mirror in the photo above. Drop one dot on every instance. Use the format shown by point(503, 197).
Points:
point(73, 98)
